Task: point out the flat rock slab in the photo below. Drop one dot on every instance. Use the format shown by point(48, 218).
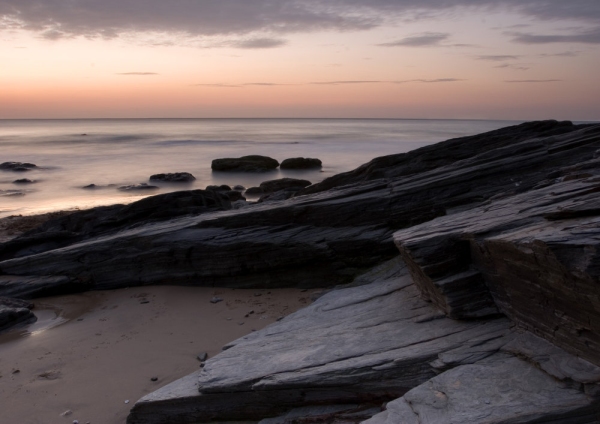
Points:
point(500, 390)
point(363, 344)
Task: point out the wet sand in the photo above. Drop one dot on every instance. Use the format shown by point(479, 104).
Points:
point(106, 347)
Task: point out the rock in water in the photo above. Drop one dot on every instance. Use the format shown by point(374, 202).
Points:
point(301, 163)
point(17, 166)
point(177, 177)
point(23, 181)
point(254, 163)
point(138, 187)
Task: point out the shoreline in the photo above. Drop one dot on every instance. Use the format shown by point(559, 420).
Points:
point(111, 345)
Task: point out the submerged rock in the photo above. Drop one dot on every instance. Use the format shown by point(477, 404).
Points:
point(11, 193)
point(301, 163)
point(177, 177)
point(138, 187)
point(253, 163)
point(24, 181)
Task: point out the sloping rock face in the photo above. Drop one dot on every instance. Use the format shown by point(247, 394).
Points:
point(365, 345)
point(533, 257)
point(90, 223)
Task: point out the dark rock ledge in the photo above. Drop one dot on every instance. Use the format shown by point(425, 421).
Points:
point(478, 296)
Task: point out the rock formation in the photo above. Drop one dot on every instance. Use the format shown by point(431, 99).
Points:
point(253, 163)
point(177, 177)
point(474, 286)
point(17, 166)
point(301, 163)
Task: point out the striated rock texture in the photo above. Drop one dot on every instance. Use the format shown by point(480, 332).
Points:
point(86, 224)
point(495, 316)
point(368, 344)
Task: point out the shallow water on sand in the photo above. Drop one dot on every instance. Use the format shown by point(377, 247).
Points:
point(73, 153)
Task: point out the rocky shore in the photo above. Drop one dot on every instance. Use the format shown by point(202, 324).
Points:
point(464, 276)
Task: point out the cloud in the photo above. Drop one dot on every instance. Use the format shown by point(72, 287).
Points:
point(258, 43)
point(533, 81)
point(498, 57)
point(421, 40)
point(429, 81)
point(137, 73)
point(56, 19)
point(512, 66)
point(263, 84)
point(217, 85)
point(586, 37)
point(345, 82)
point(562, 54)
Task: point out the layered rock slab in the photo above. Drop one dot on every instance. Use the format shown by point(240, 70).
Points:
point(518, 256)
point(363, 344)
point(507, 390)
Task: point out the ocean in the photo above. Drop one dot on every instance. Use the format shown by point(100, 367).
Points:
point(109, 153)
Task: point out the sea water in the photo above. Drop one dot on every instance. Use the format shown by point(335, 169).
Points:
point(110, 153)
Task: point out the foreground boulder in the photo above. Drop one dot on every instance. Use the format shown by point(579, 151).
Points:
point(177, 177)
point(301, 163)
point(253, 163)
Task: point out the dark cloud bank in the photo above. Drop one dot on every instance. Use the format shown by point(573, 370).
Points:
point(56, 19)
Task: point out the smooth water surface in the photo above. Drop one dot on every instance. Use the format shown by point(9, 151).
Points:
point(111, 152)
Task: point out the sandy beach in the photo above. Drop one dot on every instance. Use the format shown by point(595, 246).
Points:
point(90, 356)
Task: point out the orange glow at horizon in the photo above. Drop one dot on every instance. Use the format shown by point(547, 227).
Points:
point(313, 75)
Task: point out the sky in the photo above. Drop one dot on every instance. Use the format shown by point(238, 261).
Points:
point(426, 59)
